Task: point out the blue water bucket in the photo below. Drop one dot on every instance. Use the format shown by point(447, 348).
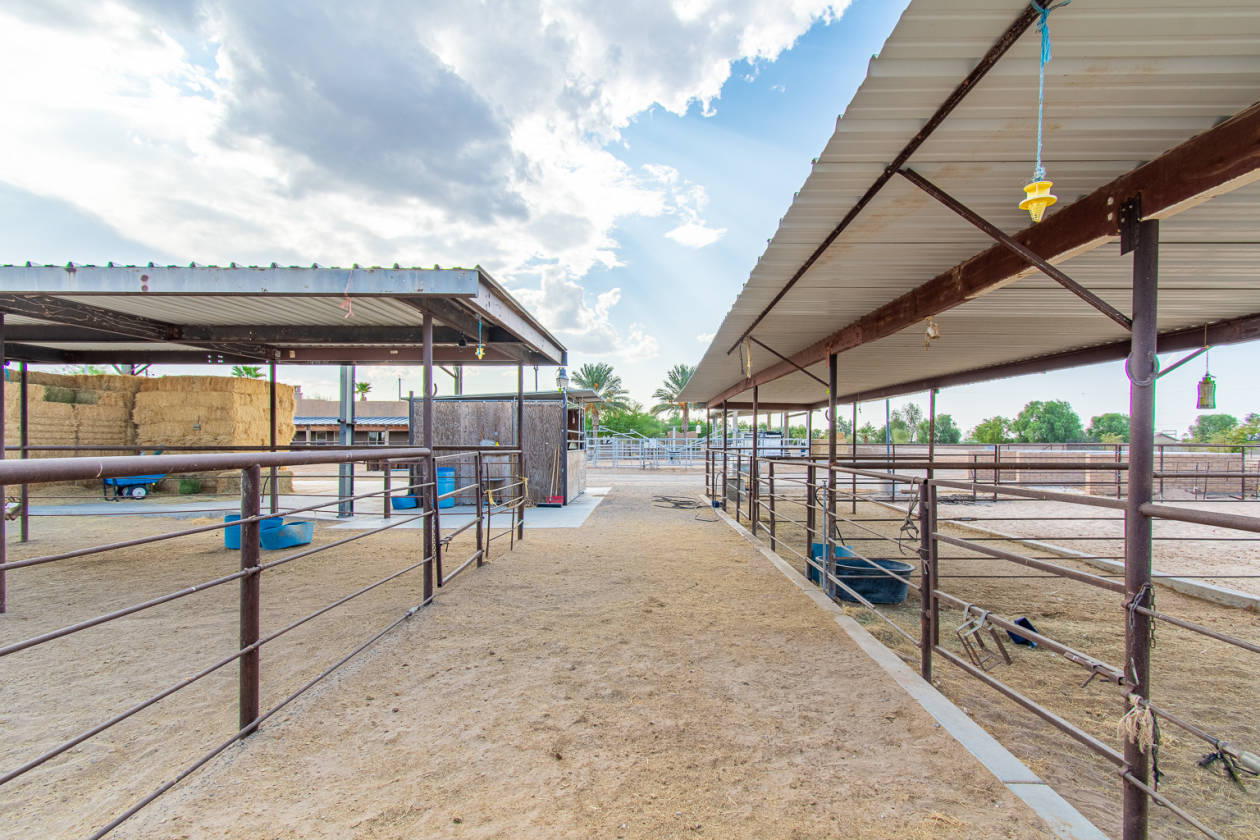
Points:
point(816, 551)
point(446, 484)
point(232, 535)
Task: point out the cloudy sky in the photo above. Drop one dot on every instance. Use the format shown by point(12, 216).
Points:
point(618, 166)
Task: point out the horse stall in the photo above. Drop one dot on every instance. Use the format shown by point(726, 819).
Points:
point(554, 447)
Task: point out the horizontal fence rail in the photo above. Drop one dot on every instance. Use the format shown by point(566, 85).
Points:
point(819, 502)
point(464, 481)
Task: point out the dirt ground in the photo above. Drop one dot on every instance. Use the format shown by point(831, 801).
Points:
point(1202, 680)
point(647, 675)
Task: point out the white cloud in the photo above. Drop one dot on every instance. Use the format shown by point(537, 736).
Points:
point(585, 326)
point(375, 132)
point(705, 338)
point(695, 234)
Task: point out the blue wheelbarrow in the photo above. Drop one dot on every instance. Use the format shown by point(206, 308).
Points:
point(130, 486)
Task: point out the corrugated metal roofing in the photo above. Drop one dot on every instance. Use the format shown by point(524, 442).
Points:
point(264, 296)
point(360, 422)
point(1129, 80)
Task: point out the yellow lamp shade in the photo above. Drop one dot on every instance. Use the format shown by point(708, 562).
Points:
point(1039, 198)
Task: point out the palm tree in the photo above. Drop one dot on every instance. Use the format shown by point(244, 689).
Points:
point(609, 393)
point(668, 393)
point(362, 388)
point(247, 372)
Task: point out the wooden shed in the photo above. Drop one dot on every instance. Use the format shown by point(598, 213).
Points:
point(555, 446)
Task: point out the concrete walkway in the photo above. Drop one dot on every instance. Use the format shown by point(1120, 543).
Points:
point(648, 675)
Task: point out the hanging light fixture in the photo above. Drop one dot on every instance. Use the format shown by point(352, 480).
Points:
point(1207, 385)
point(562, 380)
point(480, 352)
point(1037, 192)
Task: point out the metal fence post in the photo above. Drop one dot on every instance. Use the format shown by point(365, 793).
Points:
point(811, 515)
point(435, 521)
point(926, 596)
point(386, 487)
point(1142, 237)
point(251, 597)
point(427, 505)
point(481, 544)
point(770, 484)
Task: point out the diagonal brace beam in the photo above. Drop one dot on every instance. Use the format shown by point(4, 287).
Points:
point(1017, 247)
point(764, 346)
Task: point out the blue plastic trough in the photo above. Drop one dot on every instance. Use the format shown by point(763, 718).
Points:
point(273, 533)
point(867, 581)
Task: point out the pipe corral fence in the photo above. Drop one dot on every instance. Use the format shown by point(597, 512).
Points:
point(900, 509)
point(493, 490)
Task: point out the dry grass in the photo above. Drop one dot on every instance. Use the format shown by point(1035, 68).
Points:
point(1205, 681)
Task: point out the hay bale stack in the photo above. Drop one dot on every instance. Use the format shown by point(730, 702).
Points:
point(71, 410)
point(210, 411)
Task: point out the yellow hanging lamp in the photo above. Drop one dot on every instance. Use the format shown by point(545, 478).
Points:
point(1037, 192)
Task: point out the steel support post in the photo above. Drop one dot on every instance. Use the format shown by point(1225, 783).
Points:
point(387, 488)
point(428, 499)
point(853, 449)
point(934, 567)
point(770, 487)
point(274, 474)
point(523, 489)
point(1143, 239)
point(481, 537)
point(435, 521)
point(24, 441)
point(833, 441)
point(345, 427)
point(926, 598)
point(725, 444)
point(754, 480)
point(931, 433)
point(251, 598)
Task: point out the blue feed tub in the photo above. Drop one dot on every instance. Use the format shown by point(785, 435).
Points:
point(816, 551)
point(273, 533)
point(445, 484)
point(870, 583)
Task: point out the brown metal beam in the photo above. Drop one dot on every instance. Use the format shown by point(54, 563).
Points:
point(1214, 162)
point(1053, 272)
point(1233, 331)
point(74, 313)
point(454, 316)
point(767, 406)
point(300, 356)
point(986, 63)
point(263, 334)
point(767, 347)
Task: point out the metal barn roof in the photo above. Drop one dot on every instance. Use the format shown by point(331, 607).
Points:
point(1130, 85)
point(288, 315)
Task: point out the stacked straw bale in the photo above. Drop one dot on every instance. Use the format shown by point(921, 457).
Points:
point(71, 411)
point(108, 410)
point(210, 411)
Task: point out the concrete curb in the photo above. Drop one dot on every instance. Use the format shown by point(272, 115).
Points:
point(1062, 819)
point(1186, 586)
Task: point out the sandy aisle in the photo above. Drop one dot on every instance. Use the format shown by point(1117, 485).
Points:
point(648, 675)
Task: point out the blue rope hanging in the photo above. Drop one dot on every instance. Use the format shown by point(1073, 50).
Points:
point(1043, 26)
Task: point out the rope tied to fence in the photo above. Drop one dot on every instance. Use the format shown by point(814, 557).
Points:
point(1043, 27)
point(1140, 726)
